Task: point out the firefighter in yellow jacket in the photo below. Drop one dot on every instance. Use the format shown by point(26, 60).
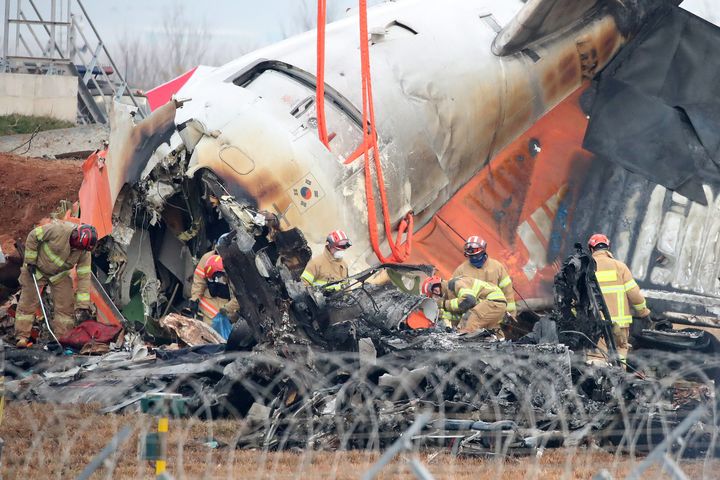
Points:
point(480, 266)
point(51, 252)
point(210, 293)
point(621, 293)
point(470, 304)
point(329, 266)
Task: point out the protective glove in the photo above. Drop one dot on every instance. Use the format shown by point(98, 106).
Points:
point(440, 302)
point(31, 268)
point(83, 315)
point(508, 319)
point(191, 308)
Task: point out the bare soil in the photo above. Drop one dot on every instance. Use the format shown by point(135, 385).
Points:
point(52, 441)
point(30, 189)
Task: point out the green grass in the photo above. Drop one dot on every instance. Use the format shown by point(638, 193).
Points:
point(14, 124)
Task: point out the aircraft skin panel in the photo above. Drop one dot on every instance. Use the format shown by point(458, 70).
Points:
point(671, 243)
point(516, 203)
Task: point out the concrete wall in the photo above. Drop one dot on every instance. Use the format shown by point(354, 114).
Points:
point(41, 95)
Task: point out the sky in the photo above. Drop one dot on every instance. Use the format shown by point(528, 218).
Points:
point(236, 26)
point(242, 20)
point(251, 21)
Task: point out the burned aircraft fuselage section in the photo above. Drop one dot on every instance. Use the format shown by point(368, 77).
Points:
point(441, 114)
point(251, 125)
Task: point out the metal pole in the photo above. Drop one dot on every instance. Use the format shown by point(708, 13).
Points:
point(419, 470)
point(658, 453)
point(402, 443)
point(163, 427)
point(115, 69)
point(67, 31)
point(109, 449)
point(17, 30)
point(47, 30)
point(71, 40)
point(53, 8)
point(6, 30)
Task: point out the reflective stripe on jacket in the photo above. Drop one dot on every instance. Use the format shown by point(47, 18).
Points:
point(463, 293)
point(48, 248)
point(209, 306)
point(323, 269)
point(493, 272)
point(619, 289)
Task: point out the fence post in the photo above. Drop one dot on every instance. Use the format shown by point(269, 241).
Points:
point(162, 406)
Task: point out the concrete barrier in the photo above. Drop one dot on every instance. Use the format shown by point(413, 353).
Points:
point(39, 95)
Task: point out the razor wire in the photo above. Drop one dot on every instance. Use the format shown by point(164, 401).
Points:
point(499, 411)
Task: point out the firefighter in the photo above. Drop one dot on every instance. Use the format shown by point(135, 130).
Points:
point(51, 252)
point(329, 266)
point(619, 290)
point(482, 267)
point(468, 303)
point(210, 294)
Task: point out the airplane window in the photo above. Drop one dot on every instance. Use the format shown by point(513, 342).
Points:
point(298, 99)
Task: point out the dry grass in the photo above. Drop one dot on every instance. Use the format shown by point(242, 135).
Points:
point(50, 441)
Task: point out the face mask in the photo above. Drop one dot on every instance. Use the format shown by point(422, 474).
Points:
point(338, 254)
point(478, 261)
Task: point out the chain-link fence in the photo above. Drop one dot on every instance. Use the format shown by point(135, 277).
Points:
point(489, 409)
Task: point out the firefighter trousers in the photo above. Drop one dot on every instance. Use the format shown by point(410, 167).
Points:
point(63, 301)
point(622, 336)
point(486, 314)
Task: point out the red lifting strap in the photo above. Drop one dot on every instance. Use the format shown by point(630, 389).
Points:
point(320, 74)
point(399, 251)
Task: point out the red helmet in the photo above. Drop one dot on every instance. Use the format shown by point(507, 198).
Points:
point(474, 246)
point(84, 237)
point(338, 239)
point(428, 285)
point(213, 266)
point(598, 239)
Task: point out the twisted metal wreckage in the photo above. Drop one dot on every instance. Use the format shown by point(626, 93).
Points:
point(339, 370)
point(343, 370)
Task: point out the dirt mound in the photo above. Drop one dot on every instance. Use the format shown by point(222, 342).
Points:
point(30, 189)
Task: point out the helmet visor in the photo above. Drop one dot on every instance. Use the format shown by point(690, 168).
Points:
point(473, 248)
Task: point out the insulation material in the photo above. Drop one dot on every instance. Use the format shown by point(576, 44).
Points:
point(190, 330)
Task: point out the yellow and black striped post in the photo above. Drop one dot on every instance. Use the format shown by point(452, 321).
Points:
point(162, 430)
point(162, 406)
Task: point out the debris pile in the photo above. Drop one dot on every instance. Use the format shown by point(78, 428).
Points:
point(341, 369)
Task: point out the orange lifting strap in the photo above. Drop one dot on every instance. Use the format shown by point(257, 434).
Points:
point(399, 251)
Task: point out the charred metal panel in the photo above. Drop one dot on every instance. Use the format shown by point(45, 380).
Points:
point(661, 118)
point(261, 301)
point(670, 243)
point(537, 19)
point(132, 145)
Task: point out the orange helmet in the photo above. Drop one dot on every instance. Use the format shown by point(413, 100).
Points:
point(338, 239)
point(474, 245)
point(598, 239)
point(213, 266)
point(428, 285)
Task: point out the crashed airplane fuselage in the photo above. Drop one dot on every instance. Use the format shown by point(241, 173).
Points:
point(452, 89)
